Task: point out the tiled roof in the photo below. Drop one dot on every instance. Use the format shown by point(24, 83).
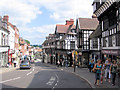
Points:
point(68, 30)
point(88, 23)
point(63, 28)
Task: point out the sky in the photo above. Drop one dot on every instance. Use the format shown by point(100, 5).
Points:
point(36, 19)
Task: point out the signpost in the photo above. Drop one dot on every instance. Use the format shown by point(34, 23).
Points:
point(75, 56)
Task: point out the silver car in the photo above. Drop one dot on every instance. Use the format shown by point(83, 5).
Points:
point(25, 64)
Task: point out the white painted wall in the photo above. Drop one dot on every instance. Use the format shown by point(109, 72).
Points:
point(68, 40)
point(11, 38)
point(4, 32)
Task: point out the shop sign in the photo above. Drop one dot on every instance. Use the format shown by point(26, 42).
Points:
point(80, 53)
point(110, 52)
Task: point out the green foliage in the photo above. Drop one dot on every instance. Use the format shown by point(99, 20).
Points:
point(37, 46)
point(28, 42)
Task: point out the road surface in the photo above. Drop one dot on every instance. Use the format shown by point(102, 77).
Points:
point(42, 76)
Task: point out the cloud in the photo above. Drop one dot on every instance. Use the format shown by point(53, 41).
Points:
point(23, 12)
point(64, 9)
point(37, 35)
point(20, 12)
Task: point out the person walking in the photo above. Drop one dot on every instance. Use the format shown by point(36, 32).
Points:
point(14, 63)
point(58, 63)
point(102, 72)
point(91, 65)
point(107, 69)
point(113, 70)
point(97, 69)
point(61, 62)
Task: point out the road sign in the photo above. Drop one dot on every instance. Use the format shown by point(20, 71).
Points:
point(74, 53)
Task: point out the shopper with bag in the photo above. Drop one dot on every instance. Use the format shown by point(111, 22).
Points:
point(97, 69)
point(113, 70)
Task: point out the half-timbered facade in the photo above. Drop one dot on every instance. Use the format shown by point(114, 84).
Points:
point(62, 43)
point(95, 44)
point(84, 27)
point(108, 14)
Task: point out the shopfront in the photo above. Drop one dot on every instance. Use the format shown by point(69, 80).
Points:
point(112, 54)
point(3, 56)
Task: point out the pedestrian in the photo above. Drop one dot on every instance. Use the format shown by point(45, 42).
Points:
point(58, 63)
point(97, 69)
point(113, 70)
point(91, 65)
point(66, 63)
point(61, 62)
point(107, 69)
point(102, 72)
point(14, 63)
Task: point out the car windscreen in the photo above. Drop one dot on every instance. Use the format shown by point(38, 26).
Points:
point(24, 62)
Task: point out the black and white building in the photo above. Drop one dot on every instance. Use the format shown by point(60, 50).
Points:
point(84, 28)
point(108, 14)
point(95, 44)
point(62, 43)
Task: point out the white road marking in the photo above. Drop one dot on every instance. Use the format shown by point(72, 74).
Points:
point(56, 82)
point(51, 81)
point(62, 69)
point(33, 69)
point(29, 73)
point(10, 80)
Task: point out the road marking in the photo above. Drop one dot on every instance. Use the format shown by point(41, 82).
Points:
point(33, 69)
point(56, 82)
point(62, 69)
point(10, 80)
point(29, 73)
point(51, 81)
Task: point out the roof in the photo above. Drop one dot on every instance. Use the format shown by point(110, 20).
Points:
point(13, 26)
point(63, 28)
point(96, 33)
point(68, 30)
point(88, 23)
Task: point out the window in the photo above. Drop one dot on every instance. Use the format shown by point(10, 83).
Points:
point(2, 39)
point(104, 42)
point(95, 43)
point(118, 40)
point(110, 41)
point(106, 24)
point(72, 44)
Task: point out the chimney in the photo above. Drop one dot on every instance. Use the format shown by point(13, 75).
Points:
point(6, 18)
point(70, 22)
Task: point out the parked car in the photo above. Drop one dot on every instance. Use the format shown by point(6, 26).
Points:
point(25, 64)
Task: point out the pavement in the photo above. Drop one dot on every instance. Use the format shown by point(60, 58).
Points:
point(4, 70)
point(88, 76)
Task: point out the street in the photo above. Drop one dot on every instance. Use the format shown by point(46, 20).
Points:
point(42, 76)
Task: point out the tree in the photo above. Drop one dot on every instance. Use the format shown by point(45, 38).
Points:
point(28, 42)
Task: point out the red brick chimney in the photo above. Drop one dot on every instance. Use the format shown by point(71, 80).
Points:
point(6, 18)
point(70, 22)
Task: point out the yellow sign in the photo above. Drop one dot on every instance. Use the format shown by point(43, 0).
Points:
point(75, 54)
